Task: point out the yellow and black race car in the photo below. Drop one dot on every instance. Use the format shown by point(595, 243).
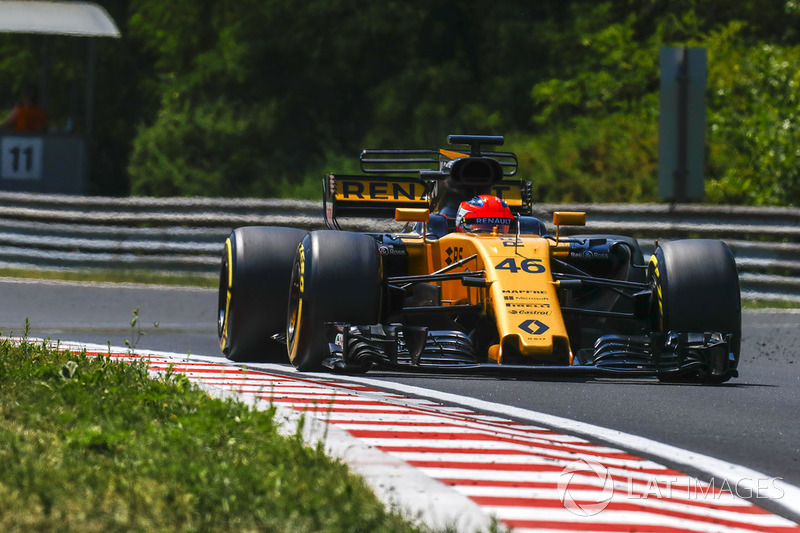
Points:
point(463, 289)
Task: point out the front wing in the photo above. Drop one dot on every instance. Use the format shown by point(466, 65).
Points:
point(703, 356)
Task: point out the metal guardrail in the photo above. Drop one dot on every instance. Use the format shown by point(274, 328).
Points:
point(185, 235)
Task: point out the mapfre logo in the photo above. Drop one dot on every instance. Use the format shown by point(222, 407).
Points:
point(585, 487)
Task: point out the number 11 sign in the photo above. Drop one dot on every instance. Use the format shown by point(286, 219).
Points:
point(21, 158)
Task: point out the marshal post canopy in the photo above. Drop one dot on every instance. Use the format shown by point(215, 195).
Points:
point(55, 161)
point(78, 19)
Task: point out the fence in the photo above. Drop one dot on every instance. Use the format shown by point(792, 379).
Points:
point(185, 235)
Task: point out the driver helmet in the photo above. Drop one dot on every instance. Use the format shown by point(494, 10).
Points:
point(482, 214)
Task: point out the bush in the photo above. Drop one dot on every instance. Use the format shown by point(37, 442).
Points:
point(204, 150)
point(754, 121)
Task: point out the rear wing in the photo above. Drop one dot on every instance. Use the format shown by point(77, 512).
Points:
point(365, 196)
point(379, 196)
point(416, 161)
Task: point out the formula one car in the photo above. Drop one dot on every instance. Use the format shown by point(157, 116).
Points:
point(463, 289)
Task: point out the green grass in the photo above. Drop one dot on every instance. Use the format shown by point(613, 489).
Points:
point(116, 276)
point(770, 304)
point(93, 444)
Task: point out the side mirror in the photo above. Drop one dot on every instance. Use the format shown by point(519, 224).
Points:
point(568, 218)
point(410, 214)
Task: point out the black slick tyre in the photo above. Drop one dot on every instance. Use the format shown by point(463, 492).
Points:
point(696, 289)
point(336, 277)
point(253, 291)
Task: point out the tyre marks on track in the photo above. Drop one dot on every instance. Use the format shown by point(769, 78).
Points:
point(529, 478)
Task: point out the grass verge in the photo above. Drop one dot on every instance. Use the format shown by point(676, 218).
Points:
point(770, 304)
point(93, 444)
point(116, 276)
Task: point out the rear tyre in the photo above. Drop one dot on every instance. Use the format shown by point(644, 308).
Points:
point(253, 291)
point(336, 277)
point(696, 289)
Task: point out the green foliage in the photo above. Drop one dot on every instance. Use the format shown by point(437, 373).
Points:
point(616, 72)
point(608, 159)
point(202, 150)
point(610, 92)
point(95, 444)
point(754, 114)
point(259, 98)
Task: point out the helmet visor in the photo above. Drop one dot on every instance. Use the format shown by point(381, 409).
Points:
point(486, 224)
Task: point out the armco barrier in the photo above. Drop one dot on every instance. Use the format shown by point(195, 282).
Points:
point(185, 235)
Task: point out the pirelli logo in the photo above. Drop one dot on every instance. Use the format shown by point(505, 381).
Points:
point(380, 191)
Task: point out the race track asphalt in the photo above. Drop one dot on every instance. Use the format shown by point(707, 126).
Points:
point(751, 421)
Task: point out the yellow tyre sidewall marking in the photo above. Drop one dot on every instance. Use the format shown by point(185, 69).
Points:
point(223, 340)
point(654, 263)
point(298, 313)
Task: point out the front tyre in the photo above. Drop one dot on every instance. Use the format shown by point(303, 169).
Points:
point(253, 290)
point(336, 277)
point(696, 289)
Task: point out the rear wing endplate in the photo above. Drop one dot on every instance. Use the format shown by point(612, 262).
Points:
point(365, 196)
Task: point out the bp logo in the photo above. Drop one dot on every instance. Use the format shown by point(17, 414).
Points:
point(585, 487)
